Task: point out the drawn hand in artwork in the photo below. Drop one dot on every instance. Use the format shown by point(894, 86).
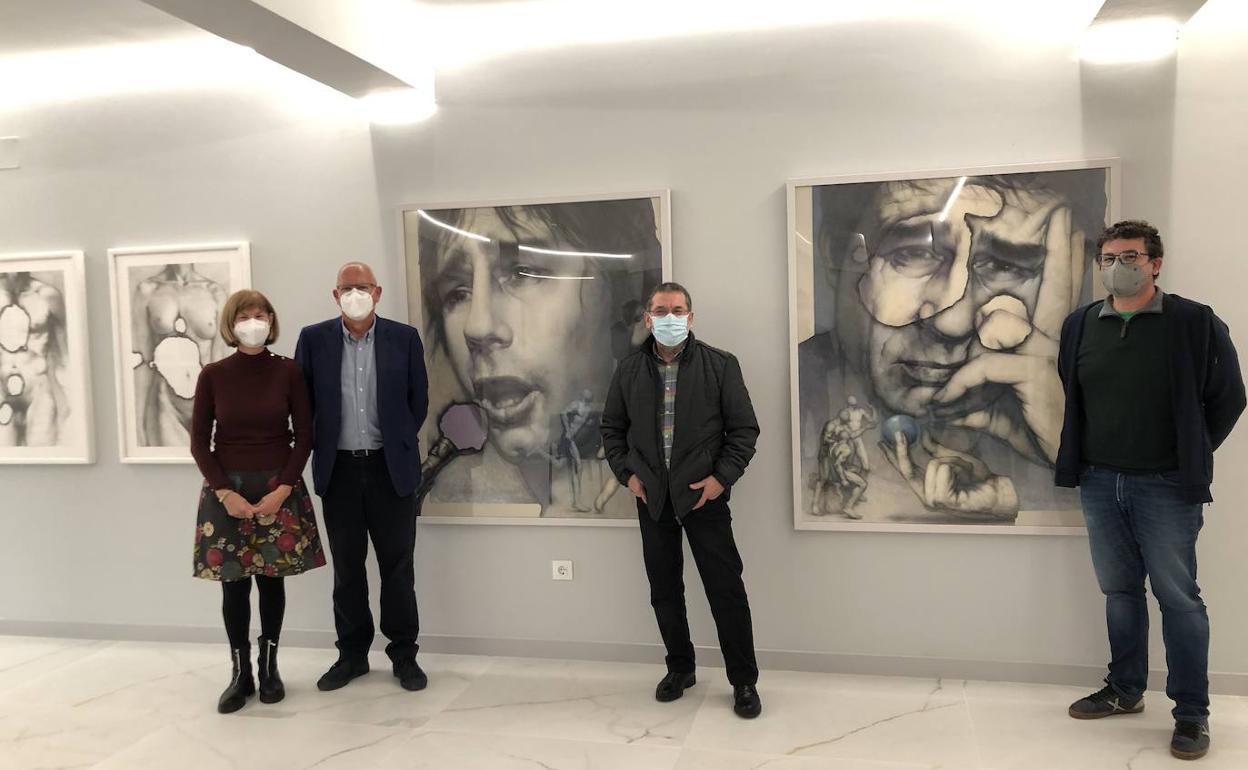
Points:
point(462, 430)
point(1024, 363)
point(948, 480)
point(961, 483)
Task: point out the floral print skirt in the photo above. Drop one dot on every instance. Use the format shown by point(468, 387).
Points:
point(284, 544)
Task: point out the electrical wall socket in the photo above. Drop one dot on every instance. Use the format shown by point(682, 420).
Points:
point(561, 570)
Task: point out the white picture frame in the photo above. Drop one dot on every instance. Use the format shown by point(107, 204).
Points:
point(804, 255)
point(166, 303)
point(45, 363)
point(507, 512)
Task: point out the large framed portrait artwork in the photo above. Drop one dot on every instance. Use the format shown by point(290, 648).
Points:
point(925, 313)
point(525, 307)
point(45, 372)
point(167, 304)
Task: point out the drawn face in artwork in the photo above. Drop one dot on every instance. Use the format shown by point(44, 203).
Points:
point(527, 331)
point(935, 253)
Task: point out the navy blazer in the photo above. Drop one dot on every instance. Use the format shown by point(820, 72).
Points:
point(402, 397)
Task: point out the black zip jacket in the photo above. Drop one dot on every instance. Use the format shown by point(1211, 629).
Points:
point(715, 428)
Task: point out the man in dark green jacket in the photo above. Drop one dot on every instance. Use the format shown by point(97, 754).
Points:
point(678, 430)
point(1153, 386)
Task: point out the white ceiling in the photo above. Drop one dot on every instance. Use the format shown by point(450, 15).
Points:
point(625, 53)
point(40, 25)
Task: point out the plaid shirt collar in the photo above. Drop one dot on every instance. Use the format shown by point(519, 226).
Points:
point(653, 346)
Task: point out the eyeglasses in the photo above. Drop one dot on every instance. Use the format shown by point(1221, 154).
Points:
point(1125, 257)
point(663, 312)
point(367, 288)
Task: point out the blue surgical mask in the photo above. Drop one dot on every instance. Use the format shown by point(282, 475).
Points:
point(670, 330)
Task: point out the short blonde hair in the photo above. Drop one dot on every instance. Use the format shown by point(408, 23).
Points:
point(246, 299)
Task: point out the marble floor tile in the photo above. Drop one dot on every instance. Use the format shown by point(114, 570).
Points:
point(235, 742)
point(168, 680)
point(42, 739)
point(430, 750)
point(571, 700)
point(376, 698)
point(916, 721)
point(70, 704)
point(1026, 727)
point(23, 658)
point(701, 759)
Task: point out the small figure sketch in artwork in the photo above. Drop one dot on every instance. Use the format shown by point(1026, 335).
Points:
point(843, 462)
point(174, 333)
point(578, 426)
point(610, 484)
point(34, 408)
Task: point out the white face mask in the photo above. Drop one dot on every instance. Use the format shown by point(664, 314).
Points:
point(356, 304)
point(252, 332)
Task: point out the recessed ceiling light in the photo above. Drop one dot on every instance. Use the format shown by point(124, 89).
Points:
point(398, 106)
point(1130, 40)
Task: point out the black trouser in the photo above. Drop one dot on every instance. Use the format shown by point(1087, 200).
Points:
point(709, 530)
point(361, 504)
point(236, 608)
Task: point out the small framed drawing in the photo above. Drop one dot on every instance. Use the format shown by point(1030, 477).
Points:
point(166, 306)
point(924, 316)
point(525, 307)
point(45, 372)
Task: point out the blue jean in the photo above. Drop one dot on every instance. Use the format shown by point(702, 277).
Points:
point(1138, 524)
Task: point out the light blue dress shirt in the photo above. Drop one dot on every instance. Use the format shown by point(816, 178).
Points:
point(361, 425)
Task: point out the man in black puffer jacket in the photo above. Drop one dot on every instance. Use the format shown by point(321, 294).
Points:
point(678, 430)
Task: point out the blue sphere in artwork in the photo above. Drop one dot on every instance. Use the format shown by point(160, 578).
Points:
point(904, 424)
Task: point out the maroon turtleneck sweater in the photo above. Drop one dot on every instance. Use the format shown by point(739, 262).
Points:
point(253, 401)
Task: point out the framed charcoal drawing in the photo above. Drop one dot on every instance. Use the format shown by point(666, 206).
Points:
point(525, 307)
point(925, 312)
point(45, 372)
point(166, 305)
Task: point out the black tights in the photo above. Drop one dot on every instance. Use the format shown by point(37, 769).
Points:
point(236, 607)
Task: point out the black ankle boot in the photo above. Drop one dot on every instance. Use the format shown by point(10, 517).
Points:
point(271, 688)
point(242, 686)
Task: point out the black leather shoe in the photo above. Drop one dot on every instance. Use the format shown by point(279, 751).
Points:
point(241, 686)
point(271, 688)
point(341, 673)
point(411, 677)
point(673, 686)
point(746, 702)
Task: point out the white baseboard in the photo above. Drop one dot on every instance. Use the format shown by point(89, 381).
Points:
point(776, 660)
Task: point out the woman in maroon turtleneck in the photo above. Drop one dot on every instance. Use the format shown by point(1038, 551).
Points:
point(251, 435)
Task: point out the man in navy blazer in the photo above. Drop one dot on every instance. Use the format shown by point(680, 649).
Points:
point(366, 377)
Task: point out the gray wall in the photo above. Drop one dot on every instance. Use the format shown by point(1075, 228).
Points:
point(723, 123)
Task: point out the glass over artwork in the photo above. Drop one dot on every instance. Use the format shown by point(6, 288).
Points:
point(525, 309)
point(166, 306)
point(45, 385)
point(926, 319)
